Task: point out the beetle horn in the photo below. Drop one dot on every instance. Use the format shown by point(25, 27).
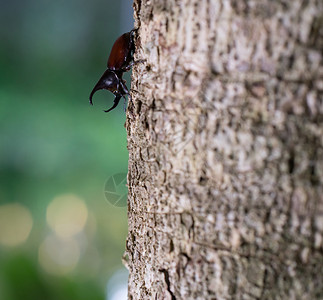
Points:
point(104, 83)
point(115, 103)
point(99, 86)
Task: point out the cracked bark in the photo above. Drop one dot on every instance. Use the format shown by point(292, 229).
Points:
point(225, 138)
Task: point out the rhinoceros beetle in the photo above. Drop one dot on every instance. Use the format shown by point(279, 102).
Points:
point(120, 61)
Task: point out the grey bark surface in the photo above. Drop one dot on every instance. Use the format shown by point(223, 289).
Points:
point(225, 138)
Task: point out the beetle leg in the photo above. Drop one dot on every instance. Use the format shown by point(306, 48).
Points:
point(125, 90)
point(139, 61)
point(124, 104)
point(128, 67)
point(115, 103)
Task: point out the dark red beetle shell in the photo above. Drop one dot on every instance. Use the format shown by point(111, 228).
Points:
point(121, 52)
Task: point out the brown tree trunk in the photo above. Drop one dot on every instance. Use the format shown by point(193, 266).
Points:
point(225, 137)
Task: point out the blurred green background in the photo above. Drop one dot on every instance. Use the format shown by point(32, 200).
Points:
point(60, 238)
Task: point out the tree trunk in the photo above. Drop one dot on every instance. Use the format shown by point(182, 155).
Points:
point(225, 138)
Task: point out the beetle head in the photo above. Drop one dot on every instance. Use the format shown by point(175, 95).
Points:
point(109, 81)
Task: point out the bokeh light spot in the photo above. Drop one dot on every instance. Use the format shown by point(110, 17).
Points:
point(15, 224)
point(117, 288)
point(67, 215)
point(58, 256)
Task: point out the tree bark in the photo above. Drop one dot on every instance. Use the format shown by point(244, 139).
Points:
point(225, 138)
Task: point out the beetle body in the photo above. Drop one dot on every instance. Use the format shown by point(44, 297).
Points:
point(121, 53)
point(120, 61)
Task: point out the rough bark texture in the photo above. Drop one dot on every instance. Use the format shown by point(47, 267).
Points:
point(225, 137)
